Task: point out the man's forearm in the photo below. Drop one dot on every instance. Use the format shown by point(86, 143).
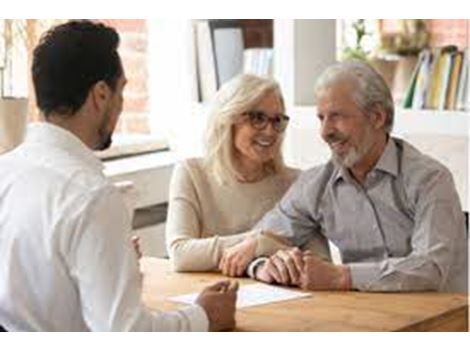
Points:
point(395, 275)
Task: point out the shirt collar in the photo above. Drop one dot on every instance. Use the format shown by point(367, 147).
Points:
point(59, 138)
point(341, 173)
point(388, 162)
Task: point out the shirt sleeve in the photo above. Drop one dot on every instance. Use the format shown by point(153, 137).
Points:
point(292, 221)
point(438, 245)
point(188, 251)
point(105, 269)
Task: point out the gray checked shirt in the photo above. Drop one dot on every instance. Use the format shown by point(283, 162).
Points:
point(402, 230)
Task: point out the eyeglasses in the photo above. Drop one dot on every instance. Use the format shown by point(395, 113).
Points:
point(259, 120)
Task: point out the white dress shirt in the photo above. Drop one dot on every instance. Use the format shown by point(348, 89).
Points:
point(66, 263)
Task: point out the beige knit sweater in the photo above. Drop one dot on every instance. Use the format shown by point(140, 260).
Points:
point(205, 217)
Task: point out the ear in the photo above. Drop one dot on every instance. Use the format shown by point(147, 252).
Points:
point(100, 95)
point(378, 117)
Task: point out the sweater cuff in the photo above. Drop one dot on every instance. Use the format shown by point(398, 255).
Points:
point(363, 274)
point(197, 317)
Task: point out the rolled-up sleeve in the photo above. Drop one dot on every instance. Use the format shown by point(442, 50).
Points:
point(292, 220)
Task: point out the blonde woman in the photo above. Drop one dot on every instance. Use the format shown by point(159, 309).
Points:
point(215, 201)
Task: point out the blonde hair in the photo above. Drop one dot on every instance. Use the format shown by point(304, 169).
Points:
point(239, 95)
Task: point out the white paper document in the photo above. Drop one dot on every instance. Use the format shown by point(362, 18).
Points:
point(252, 295)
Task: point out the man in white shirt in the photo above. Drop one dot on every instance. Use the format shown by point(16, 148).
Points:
point(66, 263)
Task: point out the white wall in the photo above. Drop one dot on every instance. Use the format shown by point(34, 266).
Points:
point(302, 50)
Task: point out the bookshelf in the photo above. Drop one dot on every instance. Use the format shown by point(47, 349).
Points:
point(447, 122)
point(439, 80)
point(225, 48)
point(302, 49)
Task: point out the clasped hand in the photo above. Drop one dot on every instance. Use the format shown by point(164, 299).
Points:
point(304, 269)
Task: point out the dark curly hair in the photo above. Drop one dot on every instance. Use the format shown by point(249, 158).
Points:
point(69, 59)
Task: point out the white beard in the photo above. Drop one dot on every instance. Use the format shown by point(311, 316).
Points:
point(356, 153)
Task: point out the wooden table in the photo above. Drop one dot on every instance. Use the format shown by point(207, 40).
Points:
point(323, 311)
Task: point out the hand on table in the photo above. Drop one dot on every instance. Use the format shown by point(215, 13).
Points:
point(320, 275)
point(284, 267)
point(218, 301)
point(304, 269)
point(235, 259)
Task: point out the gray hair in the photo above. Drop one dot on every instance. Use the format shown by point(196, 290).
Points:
point(234, 98)
point(372, 91)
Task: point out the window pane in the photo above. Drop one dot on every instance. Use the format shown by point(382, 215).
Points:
point(133, 51)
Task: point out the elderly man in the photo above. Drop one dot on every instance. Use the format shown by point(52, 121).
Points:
point(392, 211)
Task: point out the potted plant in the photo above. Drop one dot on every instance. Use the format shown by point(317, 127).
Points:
point(13, 82)
point(357, 51)
point(366, 31)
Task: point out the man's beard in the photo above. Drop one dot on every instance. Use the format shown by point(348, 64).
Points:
point(105, 141)
point(105, 137)
point(350, 159)
point(355, 153)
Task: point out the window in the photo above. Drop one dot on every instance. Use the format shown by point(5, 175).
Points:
point(17, 39)
point(134, 127)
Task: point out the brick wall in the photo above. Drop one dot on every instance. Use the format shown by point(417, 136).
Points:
point(133, 51)
point(257, 33)
point(443, 32)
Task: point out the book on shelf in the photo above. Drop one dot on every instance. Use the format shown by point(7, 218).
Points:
point(412, 86)
point(441, 96)
point(437, 75)
point(454, 81)
point(439, 80)
point(462, 101)
point(422, 80)
point(431, 79)
point(219, 50)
